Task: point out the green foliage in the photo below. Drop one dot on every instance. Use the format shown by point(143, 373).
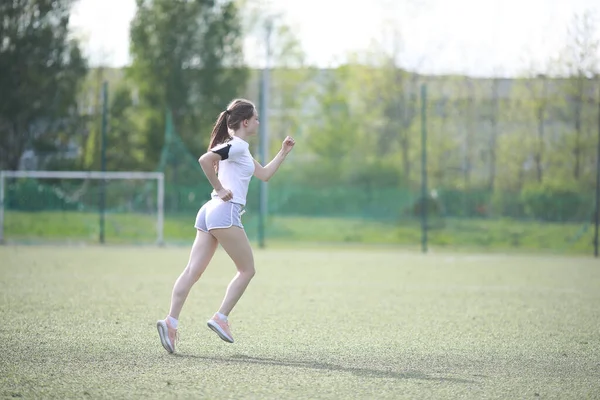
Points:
point(40, 72)
point(187, 58)
point(29, 195)
point(468, 203)
point(333, 131)
point(124, 151)
point(556, 202)
point(507, 203)
point(373, 173)
point(523, 148)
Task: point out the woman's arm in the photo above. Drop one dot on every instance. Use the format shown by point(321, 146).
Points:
point(265, 173)
point(207, 162)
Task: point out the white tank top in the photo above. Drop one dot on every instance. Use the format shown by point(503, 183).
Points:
point(235, 168)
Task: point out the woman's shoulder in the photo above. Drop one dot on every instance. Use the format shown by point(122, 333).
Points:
point(238, 144)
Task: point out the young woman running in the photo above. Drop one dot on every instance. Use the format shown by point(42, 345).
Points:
point(218, 221)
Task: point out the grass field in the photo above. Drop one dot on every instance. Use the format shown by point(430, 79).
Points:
point(470, 234)
point(79, 322)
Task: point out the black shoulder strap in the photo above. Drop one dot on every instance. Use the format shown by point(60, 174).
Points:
point(222, 150)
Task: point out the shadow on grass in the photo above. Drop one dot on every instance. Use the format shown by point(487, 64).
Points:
point(359, 371)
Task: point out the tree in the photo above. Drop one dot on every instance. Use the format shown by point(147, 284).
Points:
point(40, 72)
point(535, 94)
point(333, 128)
point(290, 79)
point(539, 96)
point(386, 98)
point(188, 59)
point(580, 64)
point(90, 101)
point(124, 152)
point(469, 132)
point(290, 82)
point(493, 118)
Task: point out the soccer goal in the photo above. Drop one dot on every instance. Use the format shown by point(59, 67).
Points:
point(82, 206)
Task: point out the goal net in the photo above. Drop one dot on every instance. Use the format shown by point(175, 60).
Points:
point(81, 207)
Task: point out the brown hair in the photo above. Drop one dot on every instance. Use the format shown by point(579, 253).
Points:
point(236, 112)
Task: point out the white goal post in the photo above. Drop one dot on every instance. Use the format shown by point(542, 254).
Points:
point(159, 176)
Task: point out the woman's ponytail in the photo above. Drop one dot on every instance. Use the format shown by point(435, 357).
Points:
point(220, 133)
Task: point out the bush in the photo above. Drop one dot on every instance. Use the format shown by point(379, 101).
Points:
point(554, 202)
point(507, 203)
point(465, 203)
point(29, 195)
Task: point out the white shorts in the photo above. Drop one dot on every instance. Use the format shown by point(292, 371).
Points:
point(219, 214)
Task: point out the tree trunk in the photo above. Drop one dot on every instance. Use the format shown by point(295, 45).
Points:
point(494, 134)
point(577, 147)
point(540, 150)
point(578, 105)
point(405, 144)
point(469, 133)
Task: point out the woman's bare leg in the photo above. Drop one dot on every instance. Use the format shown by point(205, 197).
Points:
point(203, 250)
point(235, 242)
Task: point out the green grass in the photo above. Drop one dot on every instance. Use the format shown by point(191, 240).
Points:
point(79, 322)
point(470, 234)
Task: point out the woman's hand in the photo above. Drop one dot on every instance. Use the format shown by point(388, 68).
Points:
point(287, 145)
point(225, 194)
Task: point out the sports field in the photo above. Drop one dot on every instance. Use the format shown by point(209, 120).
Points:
point(337, 323)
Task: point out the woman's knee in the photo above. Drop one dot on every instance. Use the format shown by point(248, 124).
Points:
point(249, 271)
point(192, 274)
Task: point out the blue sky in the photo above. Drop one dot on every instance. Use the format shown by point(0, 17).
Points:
point(477, 37)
